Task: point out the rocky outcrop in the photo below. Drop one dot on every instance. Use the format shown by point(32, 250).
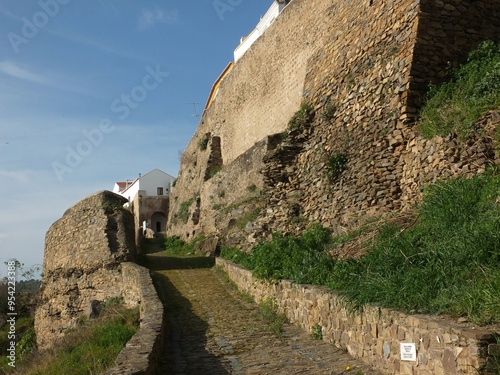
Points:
point(84, 251)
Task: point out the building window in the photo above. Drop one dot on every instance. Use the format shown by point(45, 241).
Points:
point(159, 191)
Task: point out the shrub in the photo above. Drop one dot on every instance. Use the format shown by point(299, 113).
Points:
point(317, 332)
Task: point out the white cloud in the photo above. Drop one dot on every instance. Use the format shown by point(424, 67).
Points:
point(14, 70)
point(149, 18)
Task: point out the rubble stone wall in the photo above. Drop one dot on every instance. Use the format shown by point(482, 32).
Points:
point(84, 251)
point(364, 67)
point(374, 334)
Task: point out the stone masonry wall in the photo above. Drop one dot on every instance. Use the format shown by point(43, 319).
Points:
point(364, 67)
point(374, 334)
point(256, 98)
point(84, 251)
point(142, 352)
point(88, 254)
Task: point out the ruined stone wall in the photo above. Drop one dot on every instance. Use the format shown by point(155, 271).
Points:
point(364, 67)
point(82, 262)
point(374, 334)
point(256, 98)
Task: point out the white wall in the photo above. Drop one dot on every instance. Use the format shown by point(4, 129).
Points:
point(262, 26)
point(155, 179)
point(150, 183)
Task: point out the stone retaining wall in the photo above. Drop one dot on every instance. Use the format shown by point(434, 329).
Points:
point(142, 352)
point(375, 334)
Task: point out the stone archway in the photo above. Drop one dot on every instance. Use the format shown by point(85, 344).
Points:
point(159, 222)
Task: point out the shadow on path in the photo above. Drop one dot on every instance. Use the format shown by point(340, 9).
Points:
point(185, 339)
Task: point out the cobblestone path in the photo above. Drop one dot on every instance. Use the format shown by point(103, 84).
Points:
point(212, 329)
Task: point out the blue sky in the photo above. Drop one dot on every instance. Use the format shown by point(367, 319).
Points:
point(97, 91)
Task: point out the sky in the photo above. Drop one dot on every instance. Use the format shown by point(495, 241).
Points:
point(97, 91)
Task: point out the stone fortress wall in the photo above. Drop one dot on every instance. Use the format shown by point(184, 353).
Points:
point(370, 60)
point(89, 255)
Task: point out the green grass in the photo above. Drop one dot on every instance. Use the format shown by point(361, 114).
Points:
point(448, 262)
point(454, 106)
point(89, 349)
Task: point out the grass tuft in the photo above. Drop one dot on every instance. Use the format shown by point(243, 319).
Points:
point(454, 107)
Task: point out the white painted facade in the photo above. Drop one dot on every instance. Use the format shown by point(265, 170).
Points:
point(154, 183)
point(273, 12)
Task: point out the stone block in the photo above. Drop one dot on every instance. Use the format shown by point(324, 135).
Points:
point(449, 362)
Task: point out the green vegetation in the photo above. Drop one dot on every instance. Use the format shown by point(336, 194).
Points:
point(302, 117)
point(317, 332)
point(453, 107)
point(248, 217)
point(183, 213)
point(204, 142)
point(235, 255)
point(269, 311)
point(171, 246)
point(446, 263)
point(89, 349)
point(337, 163)
point(252, 188)
point(214, 169)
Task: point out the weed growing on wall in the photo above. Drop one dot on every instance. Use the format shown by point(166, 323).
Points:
point(204, 142)
point(302, 118)
point(329, 111)
point(317, 332)
point(183, 213)
point(337, 163)
point(474, 89)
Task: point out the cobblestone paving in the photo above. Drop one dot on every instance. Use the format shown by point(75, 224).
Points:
point(212, 329)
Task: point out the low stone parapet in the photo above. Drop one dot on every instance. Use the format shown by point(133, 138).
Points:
point(142, 352)
point(393, 342)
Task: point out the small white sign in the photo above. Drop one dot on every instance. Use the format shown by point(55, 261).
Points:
point(408, 352)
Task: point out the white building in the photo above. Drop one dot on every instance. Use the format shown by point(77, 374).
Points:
point(273, 12)
point(148, 197)
point(154, 183)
